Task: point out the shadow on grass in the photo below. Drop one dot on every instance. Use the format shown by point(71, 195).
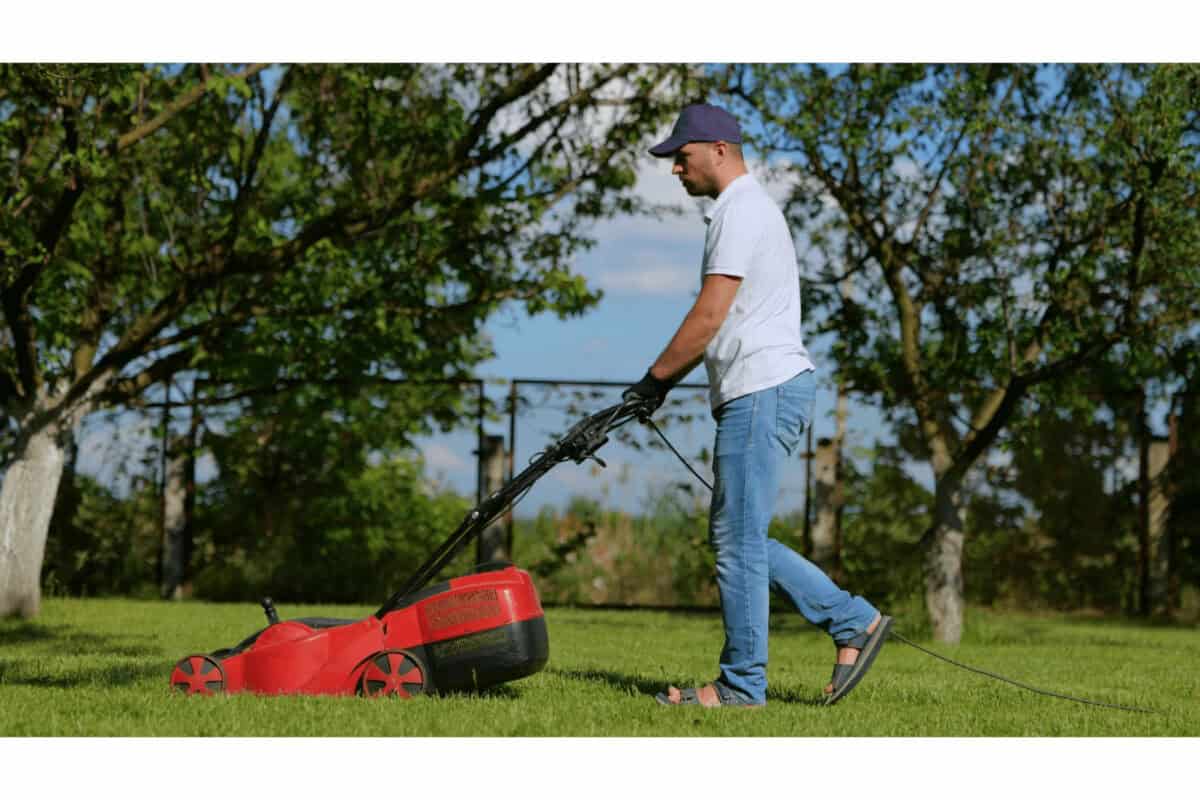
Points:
point(108, 675)
point(614, 679)
point(628, 683)
point(794, 697)
point(493, 692)
point(23, 633)
point(67, 639)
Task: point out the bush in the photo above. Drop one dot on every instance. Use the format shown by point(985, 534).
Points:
point(592, 556)
point(101, 544)
point(350, 547)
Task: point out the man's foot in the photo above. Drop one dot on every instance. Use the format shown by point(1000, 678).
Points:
point(706, 695)
point(848, 655)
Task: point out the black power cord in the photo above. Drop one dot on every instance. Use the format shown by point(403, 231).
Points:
point(650, 422)
point(1048, 693)
point(910, 643)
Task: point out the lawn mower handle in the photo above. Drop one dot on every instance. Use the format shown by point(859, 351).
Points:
point(578, 444)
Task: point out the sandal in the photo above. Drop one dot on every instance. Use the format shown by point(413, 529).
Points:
point(847, 676)
point(691, 697)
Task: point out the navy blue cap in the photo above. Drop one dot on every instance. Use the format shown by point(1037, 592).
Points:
point(699, 123)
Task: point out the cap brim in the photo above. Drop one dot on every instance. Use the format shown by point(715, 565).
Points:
point(668, 147)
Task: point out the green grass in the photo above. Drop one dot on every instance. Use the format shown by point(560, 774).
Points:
point(100, 667)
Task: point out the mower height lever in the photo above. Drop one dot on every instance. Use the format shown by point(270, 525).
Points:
point(269, 609)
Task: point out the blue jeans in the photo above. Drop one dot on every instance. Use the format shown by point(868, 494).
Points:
point(755, 433)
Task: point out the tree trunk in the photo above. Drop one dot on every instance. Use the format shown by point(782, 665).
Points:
point(839, 479)
point(493, 543)
point(26, 506)
point(943, 544)
point(1143, 519)
point(1158, 535)
point(179, 482)
point(824, 527)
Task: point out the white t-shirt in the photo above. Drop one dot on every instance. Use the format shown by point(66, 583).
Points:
point(759, 344)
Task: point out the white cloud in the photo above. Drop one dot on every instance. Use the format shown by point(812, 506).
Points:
point(658, 279)
point(778, 183)
point(439, 457)
point(658, 187)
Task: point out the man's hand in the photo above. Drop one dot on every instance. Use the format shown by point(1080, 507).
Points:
point(650, 390)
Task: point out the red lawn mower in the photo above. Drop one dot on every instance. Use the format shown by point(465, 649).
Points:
point(466, 633)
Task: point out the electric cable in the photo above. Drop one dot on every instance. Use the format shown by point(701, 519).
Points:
point(894, 635)
point(1047, 692)
point(707, 485)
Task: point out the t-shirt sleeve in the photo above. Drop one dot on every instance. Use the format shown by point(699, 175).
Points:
point(729, 242)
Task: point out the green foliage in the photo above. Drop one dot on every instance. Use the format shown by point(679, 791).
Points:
point(334, 225)
point(101, 544)
point(324, 229)
point(353, 545)
point(318, 495)
point(659, 558)
point(320, 518)
point(984, 233)
point(886, 513)
point(1004, 225)
point(1183, 480)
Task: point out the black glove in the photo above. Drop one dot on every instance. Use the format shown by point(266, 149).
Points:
point(651, 390)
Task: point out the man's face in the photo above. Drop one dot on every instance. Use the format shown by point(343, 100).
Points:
point(696, 167)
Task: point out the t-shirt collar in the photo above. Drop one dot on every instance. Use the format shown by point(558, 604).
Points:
point(736, 185)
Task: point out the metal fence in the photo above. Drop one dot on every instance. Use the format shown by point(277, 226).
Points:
point(1104, 482)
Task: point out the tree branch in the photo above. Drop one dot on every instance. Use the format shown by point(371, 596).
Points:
point(513, 92)
point(466, 162)
point(186, 100)
point(936, 192)
point(980, 438)
point(15, 297)
point(8, 390)
point(556, 110)
point(126, 390)
point(260, 143)
point(892, 256)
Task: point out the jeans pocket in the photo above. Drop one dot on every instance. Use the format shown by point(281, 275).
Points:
point(793, 410)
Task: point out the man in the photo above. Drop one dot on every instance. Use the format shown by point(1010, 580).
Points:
point(745, 325)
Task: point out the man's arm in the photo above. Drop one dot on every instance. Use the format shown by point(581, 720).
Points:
point(701, 324)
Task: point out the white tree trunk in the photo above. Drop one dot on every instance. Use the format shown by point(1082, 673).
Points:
point(175, 522)
point(943, 567)
point(26, 505)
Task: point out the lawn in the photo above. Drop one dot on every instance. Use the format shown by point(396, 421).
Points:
point(100, 667)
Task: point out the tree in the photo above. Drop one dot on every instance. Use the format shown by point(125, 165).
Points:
point(1006, 224)
point(267, 228)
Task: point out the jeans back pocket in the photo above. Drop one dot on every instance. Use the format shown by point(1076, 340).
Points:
point(793, 409)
